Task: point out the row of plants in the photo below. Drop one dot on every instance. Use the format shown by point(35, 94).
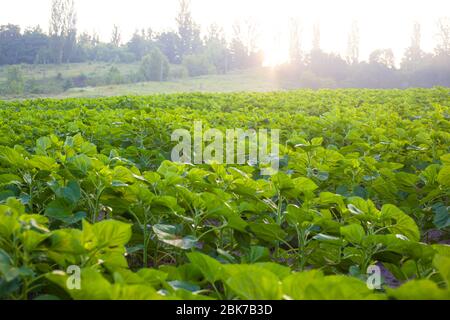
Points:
point(364, 182)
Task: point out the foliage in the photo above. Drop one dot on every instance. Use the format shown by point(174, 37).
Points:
point(155, 66)
point(364, 181)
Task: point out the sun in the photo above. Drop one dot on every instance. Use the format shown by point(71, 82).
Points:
point(274, 57)
point(275, 50)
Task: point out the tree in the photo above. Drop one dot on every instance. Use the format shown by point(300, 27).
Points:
point(384, 57)
point(316, 37)
point(116, 37)
point(34, 46)
point(10, 43)
point(155, 66)
point(443, 35)
point(243, 44)
point(216, 48)
point(63, 31)
point(168, 42)
point(138, 45)
point(188, 30)
point(353, 44)
point(295, 51)
point(413, 54)
point(238, 51)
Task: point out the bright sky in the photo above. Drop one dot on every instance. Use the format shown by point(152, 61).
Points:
point(382, 23)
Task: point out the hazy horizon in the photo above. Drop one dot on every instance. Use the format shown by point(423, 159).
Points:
point(383, 24)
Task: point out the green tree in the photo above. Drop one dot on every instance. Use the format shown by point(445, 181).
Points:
point(413, 54)
point(116, 37)
point(63, 30)
point(295, 50)
point(188, 30)
point(353, 44)
point(216, 48)
point(155, 66)
point(443, 35)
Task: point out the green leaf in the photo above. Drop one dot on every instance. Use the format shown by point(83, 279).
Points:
point(277, 269)
point(329, 239)
point(294, 286)
point(442, 263)
point(444, 176)
point(255, 254)
point(304, 184)
point(268, 232)
point(419, 290)
point(314, 286)
point(43, 163)
point(211, 269)
point(353, 233)
point(152, 276)
point(8, 178)
point(93, 285)
point(107, 233)
point(58, 209)
point(441, 217)
point(253, 283)
point(403, 224)
point(167, 234)
point(11, 157)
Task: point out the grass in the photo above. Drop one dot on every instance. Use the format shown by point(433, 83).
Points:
point(42, 71)
point(255, 80)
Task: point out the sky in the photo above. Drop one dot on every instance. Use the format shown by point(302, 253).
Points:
point(382, 23)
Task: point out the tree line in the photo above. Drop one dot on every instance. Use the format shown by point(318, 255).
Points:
point(63, 44)
point(318, 69)
point(187, 53)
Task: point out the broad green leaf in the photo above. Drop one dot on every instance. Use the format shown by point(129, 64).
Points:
point(442, 263)
point(253, 283)
point(268, 232)
point(400, 223)
point(444, 176)
point(211, 269)
point(304, 184)
point(419, 290)
point(353, 233)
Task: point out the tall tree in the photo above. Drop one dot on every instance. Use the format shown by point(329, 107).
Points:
point(116, 37)
point(383, 57)
point(188, 30)
point(353, 44)
point(443, 35)
point(316, 37)
point(10, 44)
point(168, 42)
point(216, 48)
point(63, 29)
point(413, 54)
point(295, 50)
point(238, 50)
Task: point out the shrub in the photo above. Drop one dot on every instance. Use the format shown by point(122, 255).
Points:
point(198, 65)
point(113, 76)
point(15, 82)
point(178, 72)
point(155, 66)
